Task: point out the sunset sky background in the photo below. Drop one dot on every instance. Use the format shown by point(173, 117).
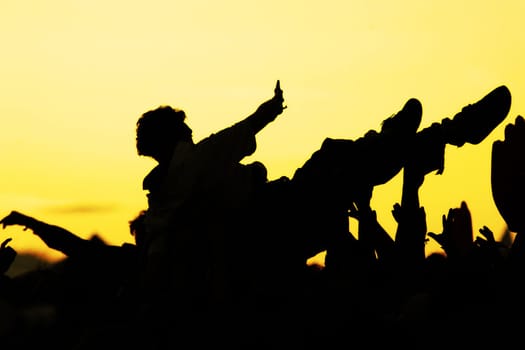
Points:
point(76, 75)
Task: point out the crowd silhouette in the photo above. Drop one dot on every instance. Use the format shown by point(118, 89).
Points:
point(221, 252)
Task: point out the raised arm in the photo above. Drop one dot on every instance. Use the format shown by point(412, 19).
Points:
point(267, 111)
point(374, 239)
point(410, 216)
point(457, 237)
point(54, 237)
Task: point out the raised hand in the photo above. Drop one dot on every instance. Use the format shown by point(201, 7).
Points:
point(457, 237)
point(16, 218)
point(7, 256)
point(508, 175)
point(488, 240)
point(274, 106)
point(268, 110)
point(487, 234)
point(278, 91)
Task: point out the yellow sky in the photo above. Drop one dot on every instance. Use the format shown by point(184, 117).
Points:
point(76, 75)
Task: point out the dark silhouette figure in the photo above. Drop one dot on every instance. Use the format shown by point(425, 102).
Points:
point(205, 227)
point(79, 299)
point(93, 253)
point(198, 224)
point(507, 175)
point(324, 188)
point(508, 190)
point(411, 290)
point(220, 254)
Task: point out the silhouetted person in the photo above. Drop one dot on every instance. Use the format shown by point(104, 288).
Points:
point(304, 215)
point(319, 192)
point(95, 286)
point(342, 169)
point(197, 195)
point(407, 255)
point(508, 192)
point(93, 252)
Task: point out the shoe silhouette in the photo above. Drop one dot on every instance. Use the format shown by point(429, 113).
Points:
point(343, 167)
point(405, 121)
point(472, 125)
point(381, 156)
point(476, 121)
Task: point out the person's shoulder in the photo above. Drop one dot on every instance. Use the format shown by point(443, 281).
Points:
point(128, 246)
point(154, 177)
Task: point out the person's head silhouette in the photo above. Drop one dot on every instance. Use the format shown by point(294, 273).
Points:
point(159, 130)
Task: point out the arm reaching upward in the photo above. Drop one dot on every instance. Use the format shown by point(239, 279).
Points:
point(268, 111)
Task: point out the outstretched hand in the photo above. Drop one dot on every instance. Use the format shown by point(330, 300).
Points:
point(16, 218)
point(487, 240)
point(457, 237)
point(278, 97)
point(278, 91)
point(274, 106)
point(508, 175)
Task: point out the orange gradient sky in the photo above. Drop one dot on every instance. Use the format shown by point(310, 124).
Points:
point(76, 75)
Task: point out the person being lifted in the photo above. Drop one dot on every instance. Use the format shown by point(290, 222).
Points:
point(197, 194)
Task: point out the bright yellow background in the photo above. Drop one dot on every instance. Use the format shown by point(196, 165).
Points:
point(76, 75)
